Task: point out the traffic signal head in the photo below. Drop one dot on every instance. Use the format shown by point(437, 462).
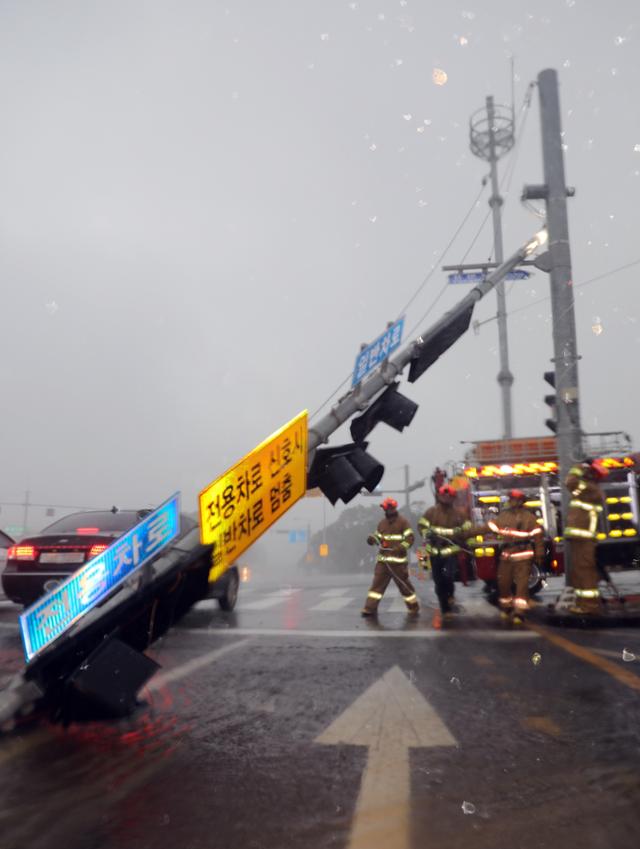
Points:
point(448, 330)
point(343, 471)
point(391, 407)
point(550, 400)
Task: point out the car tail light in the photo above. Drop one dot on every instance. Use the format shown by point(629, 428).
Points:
point(22, 552)
point(97, 549)
point(87, 531)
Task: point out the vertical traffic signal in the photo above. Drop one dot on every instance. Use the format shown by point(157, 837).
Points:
point(343, 471)
point(550, 400)
point(391, 407)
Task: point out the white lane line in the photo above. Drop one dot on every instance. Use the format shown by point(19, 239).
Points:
point(478, 634)
point(332, 604)
point(164, 678)
point(335, 592)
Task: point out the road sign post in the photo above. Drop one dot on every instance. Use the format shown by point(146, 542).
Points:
point(373, 355)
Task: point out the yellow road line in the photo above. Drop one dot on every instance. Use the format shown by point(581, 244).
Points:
point(624, 676)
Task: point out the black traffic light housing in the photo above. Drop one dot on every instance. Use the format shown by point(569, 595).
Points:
point(550, 400)
point(450, 329)
point(343, 471)
point(391, 407)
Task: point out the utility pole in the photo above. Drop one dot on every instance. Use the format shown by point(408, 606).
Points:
point(25, 515)
point(491, 136)
point(557, 261)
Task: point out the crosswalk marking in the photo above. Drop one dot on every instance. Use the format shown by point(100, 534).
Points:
point(335, 592)
point(271, 600)
point(335, 603)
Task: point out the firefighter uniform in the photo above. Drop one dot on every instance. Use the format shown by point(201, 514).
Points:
point(521, 540)
point(440, 527)
point(394, 538)
point(580, 534)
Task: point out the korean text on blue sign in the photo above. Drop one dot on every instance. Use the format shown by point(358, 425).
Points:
point(54, 613)
point(479, 276)
point(375, 353)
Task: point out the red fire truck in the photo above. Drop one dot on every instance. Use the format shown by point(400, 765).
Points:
point(491, 468)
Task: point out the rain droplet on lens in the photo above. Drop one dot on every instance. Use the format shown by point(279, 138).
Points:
point(536, 658)
point(468, 808)
point(628, 656)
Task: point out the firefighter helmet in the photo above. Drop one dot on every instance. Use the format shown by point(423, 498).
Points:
point(517, 495)
point(447, 492)
point(389, 504)
point(599, 469)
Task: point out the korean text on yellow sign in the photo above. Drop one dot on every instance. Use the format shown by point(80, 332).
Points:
point(243, 503)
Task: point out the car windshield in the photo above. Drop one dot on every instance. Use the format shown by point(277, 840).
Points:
point(95, 522)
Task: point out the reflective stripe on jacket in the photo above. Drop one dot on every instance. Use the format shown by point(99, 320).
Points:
point(395, 538)
point(441, 527)
point(584, 507)
point(520, 535)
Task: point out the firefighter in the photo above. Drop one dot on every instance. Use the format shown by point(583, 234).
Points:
point(580, 533)
point(394, 538)
point(440, 527)
point(521, 541)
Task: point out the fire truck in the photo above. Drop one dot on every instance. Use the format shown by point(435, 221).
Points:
point(492, 467)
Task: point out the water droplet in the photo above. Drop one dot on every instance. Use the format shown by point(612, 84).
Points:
point(463, 41)
point(468, 808)
point(636, 148)
point(427, 122)
point(536, 658)
point(614, 72)
point(52, 307)
point(373, 146)
point(373, 219)
point(419, 129)
point(408, 116)
point(456, 682)
point(324, 36)
point(567, 63)
point(469, 16)
point(628, 656)
point(381, 16)
point(619, 40)
point(439, 76)
point(596, 326)
point(353, 6)
point(398, 62)
point(423, 202)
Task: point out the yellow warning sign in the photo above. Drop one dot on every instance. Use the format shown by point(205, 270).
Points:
point(240, 505)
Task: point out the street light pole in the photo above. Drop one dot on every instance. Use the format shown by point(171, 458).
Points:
point(558, 263)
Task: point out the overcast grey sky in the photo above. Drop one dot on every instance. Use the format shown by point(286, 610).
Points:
point(205, 207)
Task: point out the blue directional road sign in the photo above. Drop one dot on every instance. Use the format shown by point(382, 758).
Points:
point(479, 276)
point(54, 613)
point(297, 536)
point(375, 353)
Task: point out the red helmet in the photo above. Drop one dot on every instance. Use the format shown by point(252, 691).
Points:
point(517, 495)
point(389, 504)
point(447, 491)
point(599, 468)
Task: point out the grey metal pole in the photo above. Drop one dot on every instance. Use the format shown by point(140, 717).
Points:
point(357, 400)
point(505, 377)
point(565, 348)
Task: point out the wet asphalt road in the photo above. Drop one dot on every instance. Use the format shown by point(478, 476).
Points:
point(294, 723)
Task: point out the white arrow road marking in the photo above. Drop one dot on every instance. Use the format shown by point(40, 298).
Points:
point(389, 718)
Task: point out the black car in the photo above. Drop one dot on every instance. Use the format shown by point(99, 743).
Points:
point(38, 563)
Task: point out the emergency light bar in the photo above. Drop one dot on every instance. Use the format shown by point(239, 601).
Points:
point(507, 469)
